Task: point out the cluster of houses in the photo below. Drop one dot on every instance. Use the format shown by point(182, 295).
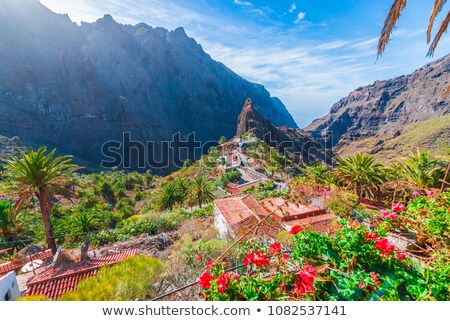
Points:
point(236, 213)
point(234, 216)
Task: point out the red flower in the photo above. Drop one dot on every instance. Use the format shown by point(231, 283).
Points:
point(401, 256)
point(397, 207)
point(305, 283)
point(275, 248)
point(259, 258)
point(361, 284)
point(370, 236)
point(296, 229)
point(384, 246)
point(209, 264)
point(222, 283)
point(199, 257)
point(285, 256)
point(205, 280)
point(375, 279)
point(308, 273)
point(392, 216)
point(430, 194)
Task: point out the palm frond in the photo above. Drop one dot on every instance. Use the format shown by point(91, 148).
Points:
point(438, 5)
point(439, 34)
point(389, 24)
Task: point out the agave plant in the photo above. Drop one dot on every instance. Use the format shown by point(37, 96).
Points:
point(394, 14)
point(43, 175)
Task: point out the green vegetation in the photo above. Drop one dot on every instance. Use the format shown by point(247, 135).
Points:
point(134, 279)
point(117, 206)
point(431, 135)
point(360, 173)
point(42, 175)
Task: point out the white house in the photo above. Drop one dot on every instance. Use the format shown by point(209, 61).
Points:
point(9, 288)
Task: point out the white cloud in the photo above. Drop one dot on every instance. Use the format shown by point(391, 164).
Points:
point(243, 3)
point(293, 7)
point(301, 15)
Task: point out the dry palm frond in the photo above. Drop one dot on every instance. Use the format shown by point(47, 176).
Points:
point(389, 23)
point(439, 34)
point(446, 93)
point(438, 5)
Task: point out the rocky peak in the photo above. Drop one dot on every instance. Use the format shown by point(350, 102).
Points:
point(298, 145)
point(251, 121)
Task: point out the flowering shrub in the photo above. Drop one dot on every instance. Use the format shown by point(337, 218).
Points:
point(351, 263)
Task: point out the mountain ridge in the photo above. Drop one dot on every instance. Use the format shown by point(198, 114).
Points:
point(385, 107)
point(76, 87)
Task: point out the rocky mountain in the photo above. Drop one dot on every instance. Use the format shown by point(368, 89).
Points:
point(76, 87)
point(372, 116)
point(297, 144)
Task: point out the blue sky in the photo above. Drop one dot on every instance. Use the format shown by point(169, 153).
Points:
point(309, 53)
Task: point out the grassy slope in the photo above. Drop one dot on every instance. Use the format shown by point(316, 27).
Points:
point(431, 135)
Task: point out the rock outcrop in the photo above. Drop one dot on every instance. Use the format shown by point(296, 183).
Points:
point(386, 107)
point(298, 145)
point(77, 87)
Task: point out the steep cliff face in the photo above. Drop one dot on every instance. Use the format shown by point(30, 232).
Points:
point(297, 144)
point(386, 107)
point(76, 87)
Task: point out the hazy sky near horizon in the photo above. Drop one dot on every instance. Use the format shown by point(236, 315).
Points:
point(309, 53)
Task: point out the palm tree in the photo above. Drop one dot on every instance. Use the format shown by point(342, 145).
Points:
point(361, 173)
point(394, 14)
point(421, 170)
point(85, 222)
point(201, 191)
point(319, 174)
point(183, 189)
point(169, 196)
point(6, 221)
point(42, 175)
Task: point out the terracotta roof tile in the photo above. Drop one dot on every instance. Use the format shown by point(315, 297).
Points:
point(286, 211)
point(55, 281)
point(12, 266)
point(318, 223)
point(242, 213)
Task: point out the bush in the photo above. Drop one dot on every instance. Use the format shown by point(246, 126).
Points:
point(133, 279)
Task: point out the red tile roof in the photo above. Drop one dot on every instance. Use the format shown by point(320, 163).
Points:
point(236, 189)
point(317, 223)
point(287, 211)
point(12, 266)
point(55, 281)
point(242, 213)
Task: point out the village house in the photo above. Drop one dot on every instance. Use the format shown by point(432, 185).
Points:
point(234, 216)
point(53, 282)
point(9, 287)
point(17, 265)
point(228, 160)
point(234, 189)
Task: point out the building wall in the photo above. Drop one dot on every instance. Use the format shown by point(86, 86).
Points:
point(9, 288)
point(222, 226)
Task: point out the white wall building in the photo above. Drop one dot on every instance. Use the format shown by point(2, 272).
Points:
point(9, 288)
